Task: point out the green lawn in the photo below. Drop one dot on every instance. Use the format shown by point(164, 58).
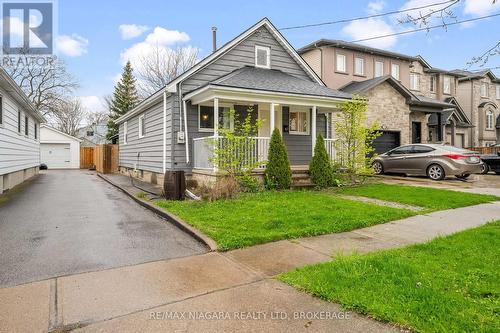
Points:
point(430, 198)
point(450, 284)
point(270, 216)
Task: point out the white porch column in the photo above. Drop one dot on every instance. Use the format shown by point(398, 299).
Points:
point(313, 128)
point(216, 117)
point(271, 119)
point(216, 126)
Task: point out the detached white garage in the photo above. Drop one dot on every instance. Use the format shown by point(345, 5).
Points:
point(58, 150)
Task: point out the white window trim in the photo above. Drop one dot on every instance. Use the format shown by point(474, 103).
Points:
point(497, 88)
point(344, 62)
point(2, 111)
point(125, 132)
point(221, 105)
point(447, 91)
point(375, 68)
point(490, 116)
point(393, 66)
point(268, 50)
point(362, 73)
point(26, 127)
point(432, 83)
point(308, 120)
point(141, 123)
point(415, 87)
point(485, 85)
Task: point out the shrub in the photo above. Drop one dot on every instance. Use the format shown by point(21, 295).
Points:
point(223, 188)
point(320, 167)
point(249, 184)
point(278, 174)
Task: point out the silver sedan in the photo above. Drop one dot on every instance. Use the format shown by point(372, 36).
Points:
point(433, 160)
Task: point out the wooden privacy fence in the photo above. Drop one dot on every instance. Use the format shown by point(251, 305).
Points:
point(106, 158)
point(86, 157)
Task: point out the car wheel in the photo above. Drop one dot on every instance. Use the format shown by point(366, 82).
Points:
point(485, 169)
point(435, 172)
point(378, 168)
point(463, 176)
point(497, 172)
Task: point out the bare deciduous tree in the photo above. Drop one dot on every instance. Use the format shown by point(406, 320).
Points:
point(423, 20)
point(45, 84)
point(160, 65)
point(68, 116)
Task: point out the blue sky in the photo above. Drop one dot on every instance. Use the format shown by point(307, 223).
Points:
point(92, 44)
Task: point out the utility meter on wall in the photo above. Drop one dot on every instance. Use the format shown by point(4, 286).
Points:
point(181, 138)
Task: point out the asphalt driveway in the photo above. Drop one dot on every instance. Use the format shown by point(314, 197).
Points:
point(65, 222)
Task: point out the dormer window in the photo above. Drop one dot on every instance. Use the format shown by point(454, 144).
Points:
point(262, 56)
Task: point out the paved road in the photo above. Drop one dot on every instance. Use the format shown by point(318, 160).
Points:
point(66, 222)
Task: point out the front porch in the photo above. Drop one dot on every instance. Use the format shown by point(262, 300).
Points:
point(299, 117)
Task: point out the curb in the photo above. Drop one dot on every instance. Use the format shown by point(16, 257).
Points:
point(201, 237)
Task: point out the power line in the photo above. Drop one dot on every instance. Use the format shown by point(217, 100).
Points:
point(366, 17)
point(425, 29)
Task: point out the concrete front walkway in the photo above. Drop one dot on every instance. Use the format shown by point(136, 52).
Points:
point(236, 287)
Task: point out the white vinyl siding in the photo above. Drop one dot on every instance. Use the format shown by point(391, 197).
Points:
point(341, 63)
point(359, 66)
point(395, 71)
point(414, 81)
point(379, 68)
point(17, 151)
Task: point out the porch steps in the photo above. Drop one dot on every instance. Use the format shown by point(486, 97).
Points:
point(301, 179)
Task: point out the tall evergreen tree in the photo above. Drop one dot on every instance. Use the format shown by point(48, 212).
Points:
point(124, 99)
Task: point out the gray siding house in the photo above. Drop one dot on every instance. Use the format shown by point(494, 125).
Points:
point(174, 128)
point(19, 135)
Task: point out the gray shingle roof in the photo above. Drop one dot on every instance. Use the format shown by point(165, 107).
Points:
point(275, 80)
point(363, 86)
point(354, 46)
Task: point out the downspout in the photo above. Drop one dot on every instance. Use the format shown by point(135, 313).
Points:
point(472, 116)
point(186, 132)
point(164, 131)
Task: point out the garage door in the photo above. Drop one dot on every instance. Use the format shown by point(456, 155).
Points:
point(55, 155)
point(387, 141)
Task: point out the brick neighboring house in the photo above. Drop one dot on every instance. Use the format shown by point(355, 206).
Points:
point(412, 101)
point(479, 93)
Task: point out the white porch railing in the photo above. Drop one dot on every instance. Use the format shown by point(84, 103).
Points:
point(255, 150)
point(332, 146)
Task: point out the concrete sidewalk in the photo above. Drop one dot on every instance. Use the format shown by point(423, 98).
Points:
point(154, 296)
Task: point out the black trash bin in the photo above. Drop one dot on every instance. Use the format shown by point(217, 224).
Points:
point(174, 185)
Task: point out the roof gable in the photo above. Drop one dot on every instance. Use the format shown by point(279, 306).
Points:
point(56, 131)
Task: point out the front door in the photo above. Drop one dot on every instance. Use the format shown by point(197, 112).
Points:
point(416, 132)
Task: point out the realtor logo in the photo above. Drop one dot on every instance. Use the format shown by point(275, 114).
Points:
point(27, 28)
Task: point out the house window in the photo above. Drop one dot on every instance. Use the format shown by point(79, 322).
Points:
point(18, 121)
point(35, 131)
point(446, 85)
point(1, 110)
point(206, 118)
point(341, 63)
point(299, 122)
point(262, 56)
point(125, 133)
point(432, 83)
point(379, 68)
point(142, 127)
point(90, 133)
point(484, 89)
point(497, 89)
point(395, 71)
point(489, 120)
point(26, 125)
point(414, 81)
point(359, 66)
